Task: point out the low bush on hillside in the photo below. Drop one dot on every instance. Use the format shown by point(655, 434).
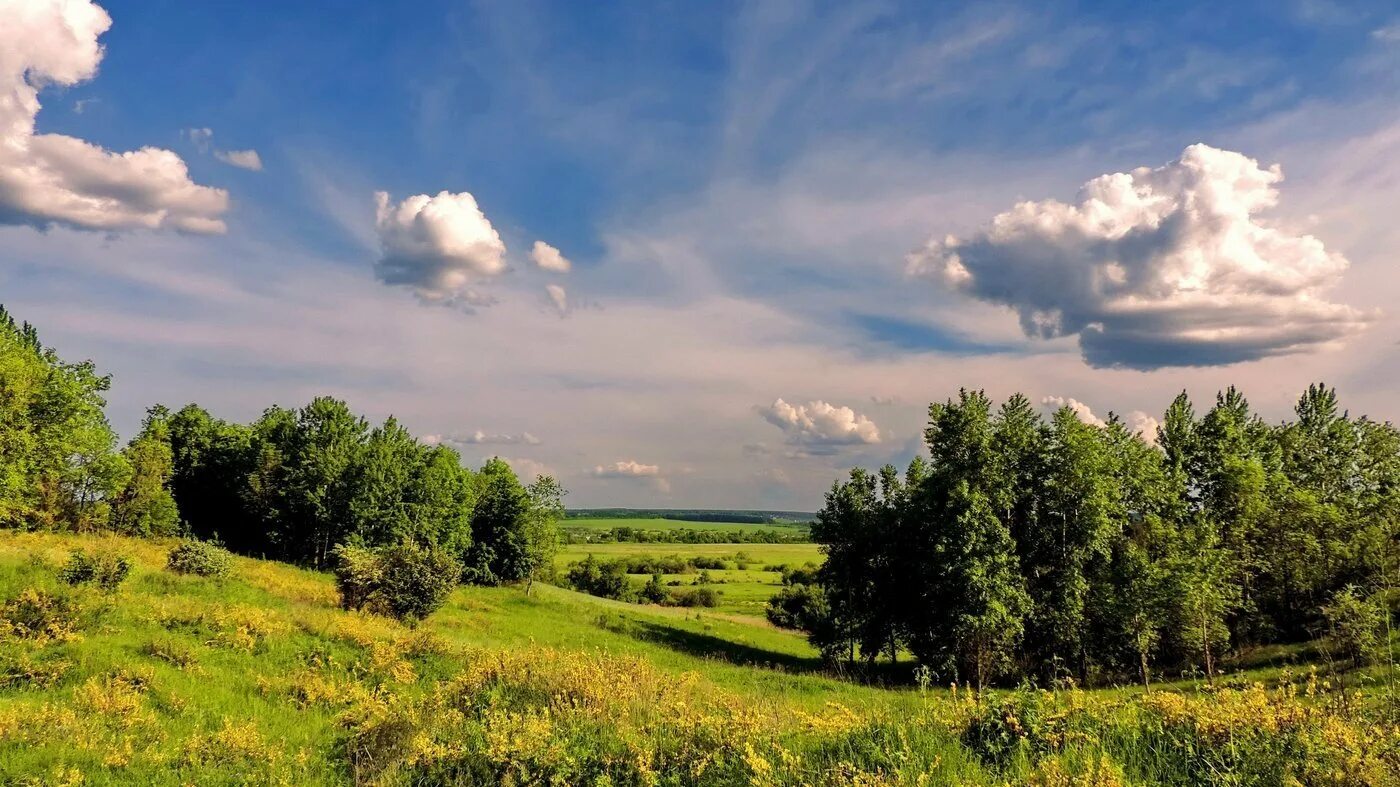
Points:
point(695, 597)
point(39, 616)
point(200, 558)
point(403, 581)
point(106, 569)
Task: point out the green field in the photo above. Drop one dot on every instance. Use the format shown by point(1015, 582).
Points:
point(654, 523)
point(260, 678)
point(743, 591)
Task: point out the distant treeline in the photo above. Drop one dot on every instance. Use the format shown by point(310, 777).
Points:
point(1026, 548)
point(638, 535)
point(704, 515)
point(294, 484)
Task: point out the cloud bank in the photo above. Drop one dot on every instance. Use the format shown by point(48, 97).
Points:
point(48, 179)
point(438, 246)
point(819, 426)
point(1156, 267)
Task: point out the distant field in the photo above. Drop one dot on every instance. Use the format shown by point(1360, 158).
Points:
point(654, 523)
point(743, 592)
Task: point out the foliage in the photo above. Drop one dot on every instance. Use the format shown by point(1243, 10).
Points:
point(605, 579)
point(105, 568)
point(1058, 549)
point(404, 581)
point(1356, 626)
point(200, 558)
point(59, 467)
point(263, 679)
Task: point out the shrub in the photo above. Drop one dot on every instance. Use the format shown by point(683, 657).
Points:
point(201, 558)
point(107, 569)
point(604, 579)
point(404, 581)
point(357, 574)
point(798, 607)
point(1356, 626)
point(39, 615)
point(653, 592)
point(696, 597)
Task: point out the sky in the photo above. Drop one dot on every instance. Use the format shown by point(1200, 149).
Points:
point(710, 255)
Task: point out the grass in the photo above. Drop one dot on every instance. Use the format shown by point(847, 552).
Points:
point(743, 592)
point(656, 523)
point(260, 678)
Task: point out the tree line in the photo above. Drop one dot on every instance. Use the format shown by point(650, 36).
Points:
point(1048, 549)
point(294, 485)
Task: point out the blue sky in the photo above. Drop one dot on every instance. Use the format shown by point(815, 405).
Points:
point(811, 203)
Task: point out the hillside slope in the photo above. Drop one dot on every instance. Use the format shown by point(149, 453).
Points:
point(261, 678)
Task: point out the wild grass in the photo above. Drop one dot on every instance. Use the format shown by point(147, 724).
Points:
point(258, 677)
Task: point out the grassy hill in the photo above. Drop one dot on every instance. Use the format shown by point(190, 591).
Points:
point(259, 677)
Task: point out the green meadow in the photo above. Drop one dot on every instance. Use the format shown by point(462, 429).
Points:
point(259, 677)
point(752, 576)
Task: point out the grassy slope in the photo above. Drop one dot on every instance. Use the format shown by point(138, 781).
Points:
point(176, 680)
point(199, 620)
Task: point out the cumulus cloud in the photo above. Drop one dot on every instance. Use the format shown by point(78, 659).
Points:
point(548, 258)
point(1138, 422)
point(438, 246)
point(630, 469)
point(243, 159)
point(1156, 267)
point(527, 469)
point(48, 179)
point(821, 427)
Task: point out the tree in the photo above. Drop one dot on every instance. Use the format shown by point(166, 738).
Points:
point(541, 532)
point(500, 550)
point(59, 467)
point(145, 506)
point(983, 587)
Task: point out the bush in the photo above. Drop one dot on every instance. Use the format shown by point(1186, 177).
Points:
point(404, 581)
point(654, 592)
point(107, 569)
point(201, 558)
point(799, 607)
point(1356, 626)
point(598, 578)
point(696, 597)
point(39, 615)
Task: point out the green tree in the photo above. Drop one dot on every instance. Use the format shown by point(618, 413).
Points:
point(145, 506)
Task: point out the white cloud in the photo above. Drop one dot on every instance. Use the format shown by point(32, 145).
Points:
point(243, 159)
point(630, 469)
point(626, 469)
point(820, 426)
point(438, 246)
point(56, 179)
point(527, 469)
point(1156, 267)
point(1050, 404)
point(558, 297)
point(1138, 422)
point(1389, 34)
point(548, 258)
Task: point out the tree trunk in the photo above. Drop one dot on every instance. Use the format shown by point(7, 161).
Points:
point(1205, 647)
point(1142, 663)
